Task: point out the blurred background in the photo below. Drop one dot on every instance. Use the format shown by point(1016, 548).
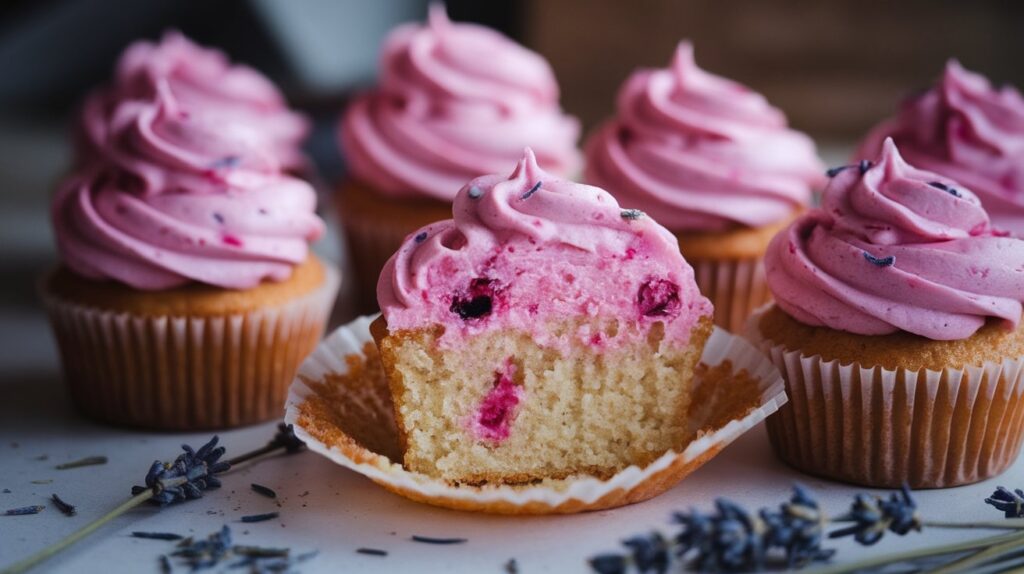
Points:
point(834, 66)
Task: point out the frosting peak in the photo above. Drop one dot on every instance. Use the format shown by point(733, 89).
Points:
point(455, 101)
point(701, 152)
point(538, 249)
point(896, 248)
point(965, 129)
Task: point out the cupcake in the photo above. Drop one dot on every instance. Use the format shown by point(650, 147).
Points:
point(205, 82)
point(713, 162)
point(542, 333)
point(186, 295)
point(455, 101)
point(966, 130)
point(896, 325)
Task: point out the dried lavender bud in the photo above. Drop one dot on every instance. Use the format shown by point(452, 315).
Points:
point(880, 261)
point(206, 553)
point(165, 564)
point(650, 553)
point(950, 190)
point(832, 172)
point(218, 218)
point(87, 461)
point(864, 166)
point(475, 192)
point(609, 564)
point(225, 162)
point(156, 535)
point(631, 214)
point(873, 515)
point(511, 567)
point(431, 540)
point(1010, 503)
point(421, 237)
point(531, 191)
point(67, 509)
point(259, 551)
point(264, 490)
point(197, 468)
point(260, 517)
point(286, 438)
point(24, 510)
point(797, 529)
point(371, 551)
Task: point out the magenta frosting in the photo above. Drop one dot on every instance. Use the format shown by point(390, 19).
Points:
point(176, 193)
point(455, 101)
point(897, 248)
point(202, 81)
point(530, 249)
point(701, 153)
point(965, 129)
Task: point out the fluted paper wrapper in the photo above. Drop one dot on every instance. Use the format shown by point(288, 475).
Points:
point(341, 407)
point(187, 373)
point(880, 427)
point(736, 287)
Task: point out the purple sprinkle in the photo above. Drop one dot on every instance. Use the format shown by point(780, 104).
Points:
point(631, 214)
point(864, 166)
point(532, 190)
point(421, 237)
point(218, 217)
point(950, 190)
point(880, 261)
point(475, 192)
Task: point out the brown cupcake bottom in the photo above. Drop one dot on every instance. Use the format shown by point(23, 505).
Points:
point(729, 270)
point(190, 358)
point(375, 227)
point(858, 413)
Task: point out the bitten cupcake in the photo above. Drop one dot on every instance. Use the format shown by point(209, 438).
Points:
point(455, 101)
point(544, 332)
point(967, 130)
point(713, 162)
point(897, 326)
point(186, 295)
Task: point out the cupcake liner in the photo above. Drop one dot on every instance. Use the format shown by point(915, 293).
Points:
point(882, 428)
point(341, 407)
point(187, 373)
point(736, 287)
point(371, 243)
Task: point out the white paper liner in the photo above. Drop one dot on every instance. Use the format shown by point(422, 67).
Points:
point(736, 288)
point(572, 494)
point(881, 427)
point(187, 373)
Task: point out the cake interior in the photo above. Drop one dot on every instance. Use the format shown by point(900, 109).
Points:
point(503, 409)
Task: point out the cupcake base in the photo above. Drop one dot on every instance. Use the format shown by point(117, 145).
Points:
point(191, 358)
point(375, 227)
point(858, 414)
point(729, 270)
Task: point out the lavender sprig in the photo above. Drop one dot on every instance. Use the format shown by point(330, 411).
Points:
point(873, 515)
point(1010, 503)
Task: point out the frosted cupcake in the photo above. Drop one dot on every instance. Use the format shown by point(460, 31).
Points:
point(455, 101)
point(544, 332)
point(202, 81)
point(713, 162)
point(965, 129)
point(897, 328)
point(186, 294)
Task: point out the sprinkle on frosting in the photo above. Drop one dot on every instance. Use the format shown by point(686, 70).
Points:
point(699, 152)
point(455, 100)
point(950, 190)
point(475, 192)
point(631, 214)
point(504, 262)
point(969, 131)
point(955, 271)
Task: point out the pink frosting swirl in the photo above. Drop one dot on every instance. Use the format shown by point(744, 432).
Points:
point(176, 195)
point(455, 101)
point(700, 152)
point(897, 248)
point(203, 81)
point(965, 129)
point(532, 248)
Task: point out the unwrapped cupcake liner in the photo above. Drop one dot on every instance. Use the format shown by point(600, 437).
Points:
point(880, 427)
point(736, 287)
point(341, 407)
point(187, 373)
point(371, 243)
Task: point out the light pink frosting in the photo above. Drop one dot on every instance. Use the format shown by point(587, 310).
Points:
point(965, 129)
point(541, 249)
point(205, 82)
point(701, 153)
point(176, 194)
point(897, 248)
point(455, 101)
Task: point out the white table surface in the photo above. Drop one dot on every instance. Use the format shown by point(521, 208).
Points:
point(342, 510)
